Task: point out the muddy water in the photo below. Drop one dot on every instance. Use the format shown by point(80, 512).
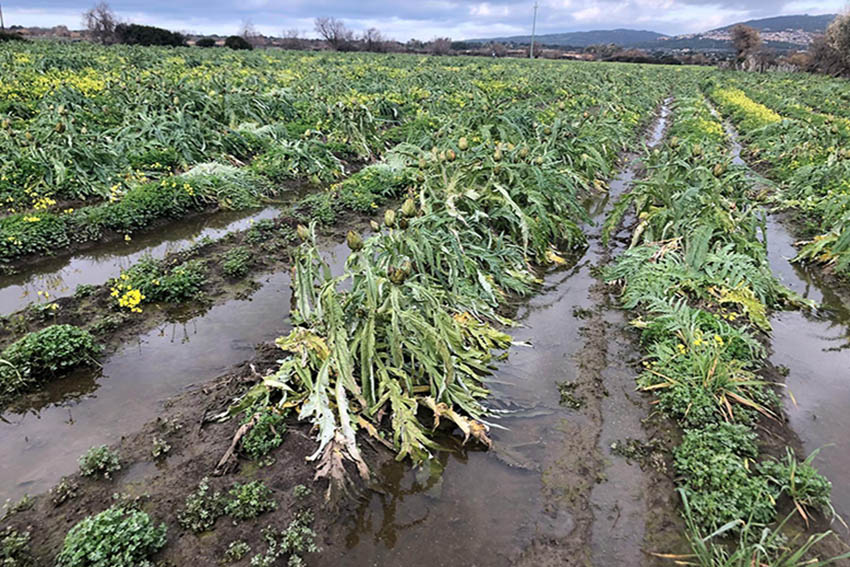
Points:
point(815, 348)
point(61, 276)
point(42, 437)
point(540, 495)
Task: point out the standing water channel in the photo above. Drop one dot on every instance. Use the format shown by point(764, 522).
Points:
point(60, 276)
point(548, 492)
point(815, 349)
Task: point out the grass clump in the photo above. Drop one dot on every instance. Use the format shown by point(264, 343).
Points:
point(249, 500)
point(117, 537)
point(64, 491)
point(49, 352)
point(99, 461)
point(801, 482)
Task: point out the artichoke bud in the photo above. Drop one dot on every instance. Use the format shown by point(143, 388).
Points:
point(539, 160)
point(403, 223)
point(497, 155)
point(462, 144)
point(422, 163)
point(60, 127)
point(354, 241)
point(523, 152)
point(408, 208)
point(375, 226)
point(450, 155)
point(547, 130)
point(389, 217)
point(719, 170)
point(303, 232)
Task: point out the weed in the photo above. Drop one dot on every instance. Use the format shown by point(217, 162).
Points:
point(11, 508)
point(266, 434)
point(14, 548)
point(99, 461)
point(84, 290)
point(807, 488)
point(236, 262)
point(249, 500)
point(116, 537)
point(160, 448)
point(236, 551)
point(64, 491)
point(298, 538)
point(202, 509)
point(568, 397)
point(49, 352)
point(301, 492)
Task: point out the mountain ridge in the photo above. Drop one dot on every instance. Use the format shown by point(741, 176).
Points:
point(779, 32)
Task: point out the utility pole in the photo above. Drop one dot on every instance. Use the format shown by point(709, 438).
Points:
point(2, 27)
point(533, 28)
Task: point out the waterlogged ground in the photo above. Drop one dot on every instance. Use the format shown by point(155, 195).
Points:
point(48, 430)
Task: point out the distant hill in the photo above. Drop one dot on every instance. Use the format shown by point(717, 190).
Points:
point(781, 33)
point(806, 23)
point(581, 39)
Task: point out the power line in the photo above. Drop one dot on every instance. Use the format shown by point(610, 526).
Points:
point(533, 28)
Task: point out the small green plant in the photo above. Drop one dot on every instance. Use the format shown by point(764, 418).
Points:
point(236, 262)
point(160, 448)
point(301, 492)
point(156, 282)
point(14, 548)
point(64, 491)
point(236, 551)
point(202, 509)
point(249, 500)
point(265, 436)
point(84, 290)
point(11, 508)
point(99, 461)
point(49, 352)
point(298, 538)
point(117, 537)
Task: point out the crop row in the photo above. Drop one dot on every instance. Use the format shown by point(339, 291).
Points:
point(697, 274)
point(411, 325)
point(807, 154)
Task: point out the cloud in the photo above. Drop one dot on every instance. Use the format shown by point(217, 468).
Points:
point(423, 19)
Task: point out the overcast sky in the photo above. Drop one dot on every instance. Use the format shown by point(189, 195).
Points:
point(421, 19)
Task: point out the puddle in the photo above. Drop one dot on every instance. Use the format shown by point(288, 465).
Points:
point(60, 276)
point(527, 500)
point(42, 438)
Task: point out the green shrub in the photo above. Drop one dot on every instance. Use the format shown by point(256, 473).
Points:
point(99, 461)
point(237, 42)
point(114, 538)
point(49, 352)
point(265, 436)
point(202, 509)
point(249, 500)
point(236, 262)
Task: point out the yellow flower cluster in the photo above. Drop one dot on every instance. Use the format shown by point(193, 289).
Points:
point(128, 297)
point(756, 115)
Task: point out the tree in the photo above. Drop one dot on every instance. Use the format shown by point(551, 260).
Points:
point(135, 34)
point(746, 41)
point(334, 32)
point(373, 40)
point(205, 42)
point(237, 42)
point(100, 22)
point(440, 46)
point(292, 39)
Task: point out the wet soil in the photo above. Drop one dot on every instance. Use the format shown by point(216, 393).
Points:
point(160, 487)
